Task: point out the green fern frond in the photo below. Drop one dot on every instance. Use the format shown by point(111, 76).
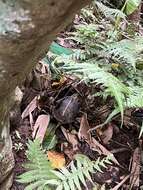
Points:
point(39, 167)
point(90, 72)
point(84, 34)
point(80, 55)
point(76, 175)
point(109, 12)
point(87, 13)
point(135, 100)
point(42, 176)
point(88, 30)
point(126, 50)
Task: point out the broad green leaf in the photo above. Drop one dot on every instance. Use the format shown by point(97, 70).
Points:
point(57, 49)
point(131, 6)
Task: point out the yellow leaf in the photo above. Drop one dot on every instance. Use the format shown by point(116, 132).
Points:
point(59, 83)
point(115, 65)
point(57, 159)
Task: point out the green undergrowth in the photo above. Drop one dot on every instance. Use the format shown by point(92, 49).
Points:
point(106, 54)
point(41, 175)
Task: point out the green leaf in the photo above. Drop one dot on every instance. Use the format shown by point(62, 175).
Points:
point(71, 184)
point(58, 50)
point(112, 85)
point(66, 186)
point(42, 176)
point(60, 187)
point(110, 12)
point(131, 6)
point(59, 175)
point(75, 177)
point(86, 173)
point(34, 185)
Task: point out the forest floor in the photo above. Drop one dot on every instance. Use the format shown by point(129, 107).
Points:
point(71, 130)
point(75, 118)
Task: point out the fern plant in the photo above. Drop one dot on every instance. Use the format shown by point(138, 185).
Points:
point(107, 56)
point(112, 86)
point(42, 176)
point(40, 169)
point(135, 100)
point(126, 51)
point(109, 12)
point(102, 47)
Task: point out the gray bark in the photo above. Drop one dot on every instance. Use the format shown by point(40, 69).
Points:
point(27, 27)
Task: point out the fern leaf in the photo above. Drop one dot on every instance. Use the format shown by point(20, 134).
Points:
point(135, 100)
point(60, 187)
point(110, 12)
point(34, 185)
point(65, 179)
point(75, 178)
point(59, 175)
point(131, 6)
point(87, 14)
point(39, 166)
point(92, 73)
point(71, 184)
point(126, 50)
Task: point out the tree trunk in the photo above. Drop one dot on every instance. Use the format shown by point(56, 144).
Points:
point(26, 29)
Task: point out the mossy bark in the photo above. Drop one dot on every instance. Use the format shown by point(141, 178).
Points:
point(26, 30)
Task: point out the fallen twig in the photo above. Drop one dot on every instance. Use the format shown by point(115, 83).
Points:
point(121, 183)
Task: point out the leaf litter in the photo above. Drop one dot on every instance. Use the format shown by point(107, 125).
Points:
point(74, 115)
point(69, 105)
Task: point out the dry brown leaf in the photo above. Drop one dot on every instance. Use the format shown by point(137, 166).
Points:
point(60, 82)
point(107, 134)
point(31, 120)
point(57, 159)
point(135, 170)
point(69, 152)
point(71, 138)
point(40, 127)
point(95, 145)
point(42, 75)
point(84, 128)
point(31, 107)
